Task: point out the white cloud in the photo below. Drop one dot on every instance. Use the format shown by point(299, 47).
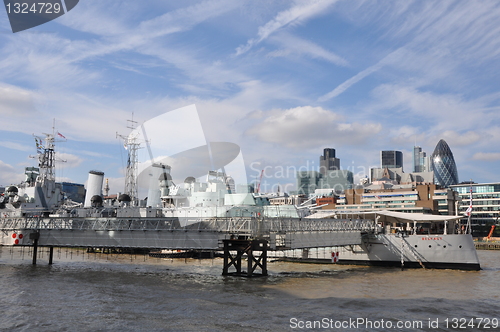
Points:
point(486, 156)
point(16, 102)
point(441, 40)
point(67, 160)
point(461, 138)
point(93, 17)
point(299, 12)
point(407, 134)
point(306, 127)
point(185, 18)
point(393, 56)
point(116, 185)
point(428, 108)
point(9, 175)
point(16, 146)
point(301, 46)
point(466, 30)
point(49, 60)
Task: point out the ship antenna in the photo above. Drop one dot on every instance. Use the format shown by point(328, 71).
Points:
point(131, 145)
point(468, 228)
point(46, 155)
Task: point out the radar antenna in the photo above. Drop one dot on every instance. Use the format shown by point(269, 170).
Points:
point(131, 145)
point(46, 157)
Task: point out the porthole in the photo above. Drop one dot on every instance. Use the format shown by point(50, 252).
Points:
point(444, 246)
point(460, 246)
point(416, 246)
point(430, 246)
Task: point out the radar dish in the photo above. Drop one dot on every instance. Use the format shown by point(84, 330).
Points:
point(190, 179)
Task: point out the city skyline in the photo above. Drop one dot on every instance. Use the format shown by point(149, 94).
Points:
point(282, 80)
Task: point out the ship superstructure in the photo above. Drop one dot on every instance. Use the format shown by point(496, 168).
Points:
point(38, 194)
point(190, 200)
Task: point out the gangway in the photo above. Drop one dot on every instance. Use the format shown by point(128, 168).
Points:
point(183, 233)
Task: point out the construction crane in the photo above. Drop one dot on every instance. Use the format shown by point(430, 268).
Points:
point(490, 233)
point(260, 180)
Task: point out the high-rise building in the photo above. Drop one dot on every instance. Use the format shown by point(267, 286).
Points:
point(420, 160)
point(307, 182)
point(485, 202)
point(328, 162)
point(337, 181)
point(391, 159)
point(443, 165)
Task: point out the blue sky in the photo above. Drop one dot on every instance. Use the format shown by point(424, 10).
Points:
point(282, 79)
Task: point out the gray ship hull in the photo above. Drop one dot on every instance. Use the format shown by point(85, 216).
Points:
point(453, 251)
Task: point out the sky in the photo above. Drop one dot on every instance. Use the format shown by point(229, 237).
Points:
point(281, 79)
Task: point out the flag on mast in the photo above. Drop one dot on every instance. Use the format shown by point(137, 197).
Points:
point(60, 135)
point(39, 146)
point(469, 209)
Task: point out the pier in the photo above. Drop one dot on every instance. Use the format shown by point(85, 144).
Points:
point(235, 237)
point(483, 245)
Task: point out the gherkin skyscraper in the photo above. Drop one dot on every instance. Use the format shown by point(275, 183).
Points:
point(443, 165)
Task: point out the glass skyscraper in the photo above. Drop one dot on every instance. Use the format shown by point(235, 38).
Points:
point(420, 160)
point(443, 165)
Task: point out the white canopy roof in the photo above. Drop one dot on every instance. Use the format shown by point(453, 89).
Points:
point(387, 216)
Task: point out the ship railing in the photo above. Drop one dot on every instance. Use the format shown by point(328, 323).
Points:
point(314, 225)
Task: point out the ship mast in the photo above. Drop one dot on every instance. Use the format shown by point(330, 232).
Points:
point(468, 228)
point(46, 158)
point(46, 177)
point(131, 145)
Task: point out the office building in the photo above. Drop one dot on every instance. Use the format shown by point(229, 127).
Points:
point(336, 181)
point(312, 182)
point(307, 182)
point(485, 202)
point(425, 198)
point(328, 162)
point(443, 165)
point(420, 160)
point(391, 159)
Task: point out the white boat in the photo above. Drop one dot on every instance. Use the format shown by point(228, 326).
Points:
point(408, 240)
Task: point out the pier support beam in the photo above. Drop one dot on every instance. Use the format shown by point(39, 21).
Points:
point(248, 248)
point(35, 237)
point(51, 254)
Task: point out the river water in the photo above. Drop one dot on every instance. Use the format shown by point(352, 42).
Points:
point(99, 292)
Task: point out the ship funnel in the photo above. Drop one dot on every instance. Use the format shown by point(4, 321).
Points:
point(94, 186)
point(157, 174)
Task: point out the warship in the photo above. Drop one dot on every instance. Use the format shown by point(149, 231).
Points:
point(177, 198)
